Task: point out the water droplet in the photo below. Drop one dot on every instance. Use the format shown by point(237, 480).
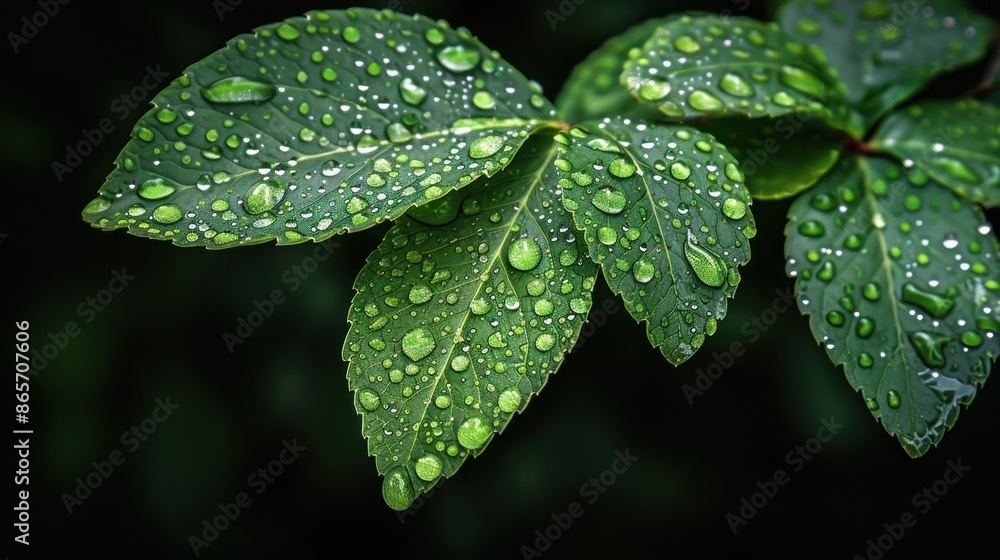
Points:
point(397, 490)
point(543, 307)
point(704, 101)
point(893, 399)
point(827, 271)
point(460, 363)
point(168, 214)
point(398, 133)
point(865, 360)
point(155, 189)
point(871, 291)
point(524, 254)
point(287, 32)
point(958, 170)
point(811, 228)
point(734, 208)
point(709, 268)
point(484, 100)
point(509, 400)
point(621, 168)
point(485, 147)
point(643, 270)
point(609, 201)
point(369, 399)
point(479, 306)
point(458, 58)
point(735, 85)
point(239, 90)
point(428, 467)
point(823, 202)
point(835, 318)
point(607, 236)
point(166, 116)
point(97, 206)
point(686, 44)
point(654, 90)
point(802, 80)
point(474, 432)
point(680, 171)
point(734, 173)
point(865, 327)
point(930, 347)
point(418, 344)
point(264, 196)
point(972, 339)
point(871, 403)
point(420, 293)
point(411, 92)
point(936, 306)
point(545, 342)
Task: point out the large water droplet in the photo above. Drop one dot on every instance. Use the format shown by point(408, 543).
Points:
point(893, 399)
point(397, 490)
point(811, 228)
point(411, 92)
point(958, 170)
point(643, 270)
point(734, 208)
point(485, 147)
point(936, 306)
point(264, 196)
point(704, 101)
point(474, 432)
point(709, 268)
point(238, 90)
point(804, 81)
point(420, 293)
point(428, 467)
point(509, 400)
point(621, 168)
point(609, 201)
point(168, 214)
point(735, 85)
point(545, 342)
point(369, 399)
point(930, 347)
point(418, 344)
point(155, 189)
point(524, 253)
point(458, 58)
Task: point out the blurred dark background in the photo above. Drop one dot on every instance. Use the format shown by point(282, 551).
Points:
point(161, 338)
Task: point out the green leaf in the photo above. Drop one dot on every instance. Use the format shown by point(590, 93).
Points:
point(780, 157)
point(455, 327)
point(664, 211)
point(322, 124)
point(594, 89)
point(886, 51)
point(899, 277)
point(955, 142)
point(714, 65)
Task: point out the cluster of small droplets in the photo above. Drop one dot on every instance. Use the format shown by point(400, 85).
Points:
point(902, 282)
point(665, 213)
point(455, 326)
point(327, 123)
